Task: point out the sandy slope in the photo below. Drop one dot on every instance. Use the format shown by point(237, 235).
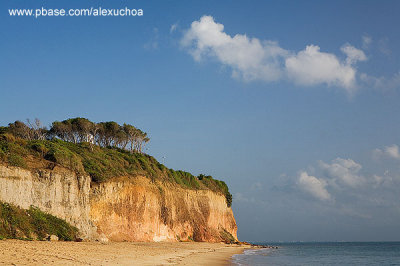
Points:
point(16, 252)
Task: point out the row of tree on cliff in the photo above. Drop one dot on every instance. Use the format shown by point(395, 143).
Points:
point(77, 130)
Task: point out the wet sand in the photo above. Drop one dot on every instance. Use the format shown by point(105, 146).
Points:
point(17, 252)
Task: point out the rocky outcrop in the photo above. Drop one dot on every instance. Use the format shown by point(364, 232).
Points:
point(122, 209)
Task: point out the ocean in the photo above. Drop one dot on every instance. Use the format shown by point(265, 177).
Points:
point(336, 253)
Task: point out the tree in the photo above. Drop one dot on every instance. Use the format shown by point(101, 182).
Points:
point(21, 130)
point(131, 133)
point(104, 134)
point(82, 128)
point(109, 131)
point(38, 131)
point(140, 140)
point(62, 130)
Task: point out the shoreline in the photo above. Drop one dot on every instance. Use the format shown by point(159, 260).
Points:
point(20, 252)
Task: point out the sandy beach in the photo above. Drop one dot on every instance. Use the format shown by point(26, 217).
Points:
point(17, 252)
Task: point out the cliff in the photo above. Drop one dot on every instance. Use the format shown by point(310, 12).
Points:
point(139, 210)
point(106, 190)
point(127, 208)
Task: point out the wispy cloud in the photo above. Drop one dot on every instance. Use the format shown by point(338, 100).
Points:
point(254, 59)
point(353, 54)
point(152, 44)
point(381, 83)
point(257, 186)
point(350, 192)
point(239, 197)
point(383, 46)
point(366, 41)
point(173, 27)
point(388, 151)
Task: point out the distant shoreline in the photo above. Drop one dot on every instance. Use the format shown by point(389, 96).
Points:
point(122, 253)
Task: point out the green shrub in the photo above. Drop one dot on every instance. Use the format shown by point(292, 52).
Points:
point(228, 197)
point(16, 160)
point(23, 224)
point(3, 155)
point(40, 147)
point(13, 222)
point(15, 148)
point(47, 224)
point(227, 237)
point(4, 130)
point(8, 137)
point(65, 157)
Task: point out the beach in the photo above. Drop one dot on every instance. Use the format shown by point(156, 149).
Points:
point(17, 252)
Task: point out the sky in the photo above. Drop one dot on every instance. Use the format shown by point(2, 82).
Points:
point(294, 104)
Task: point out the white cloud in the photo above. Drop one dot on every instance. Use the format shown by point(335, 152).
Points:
point(393, 151)
point(366, 41)
point(388, 151)
point(349, 193)
point(388, 180)
point(381, 83)
point(383, 180)
point(253, 59)
point(344, 170)
point(314, 186)
point(378, 179)
point(353, 54)
point(173, 28)
point(249, 58)
point(312, 67)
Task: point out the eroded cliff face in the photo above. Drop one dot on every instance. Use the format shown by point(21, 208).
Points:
point(59, 192)
point(134, 209)
point(123, 209)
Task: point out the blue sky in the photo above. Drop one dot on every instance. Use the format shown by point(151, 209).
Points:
point(299, 113)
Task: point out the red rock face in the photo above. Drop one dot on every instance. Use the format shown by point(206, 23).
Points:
point(135, 209)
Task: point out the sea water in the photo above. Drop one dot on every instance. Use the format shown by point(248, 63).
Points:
point(337, 253)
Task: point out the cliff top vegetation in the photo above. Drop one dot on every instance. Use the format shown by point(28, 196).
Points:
point(102, 150)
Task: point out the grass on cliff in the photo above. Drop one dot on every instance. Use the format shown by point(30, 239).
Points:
point(102, 163)
point(17, 223)
point(227, 237)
